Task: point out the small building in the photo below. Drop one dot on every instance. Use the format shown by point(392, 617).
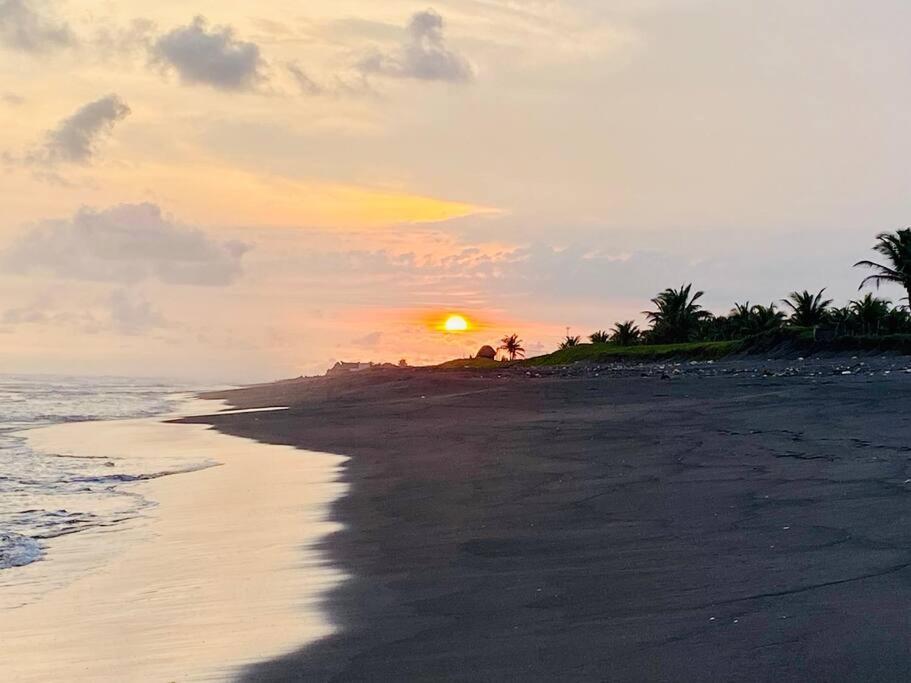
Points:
point(487, 352)
point(342, 368)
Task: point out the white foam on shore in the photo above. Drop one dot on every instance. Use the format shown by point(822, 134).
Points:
point(222, 572)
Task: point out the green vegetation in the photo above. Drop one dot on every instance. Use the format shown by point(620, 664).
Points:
point(600, 353)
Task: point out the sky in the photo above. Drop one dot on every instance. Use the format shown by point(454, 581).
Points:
point(238, 191)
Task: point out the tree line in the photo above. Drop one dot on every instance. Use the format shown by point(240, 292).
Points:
point(678, 317)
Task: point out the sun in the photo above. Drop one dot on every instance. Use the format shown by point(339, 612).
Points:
point(455, 323)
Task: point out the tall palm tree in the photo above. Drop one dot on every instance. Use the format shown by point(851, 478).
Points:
point(512, 345)
point(625, 333)
point(569, 342)
point(677, 315)
point(896, 247)
point(870, 312)
point(807, 310)
point(599, 337)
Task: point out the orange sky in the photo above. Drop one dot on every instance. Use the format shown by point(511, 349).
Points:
point(238, 192)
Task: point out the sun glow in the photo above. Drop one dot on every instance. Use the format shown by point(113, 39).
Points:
point(455, 323)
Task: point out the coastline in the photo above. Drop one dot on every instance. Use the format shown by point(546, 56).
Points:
point(744, 521)
point(222, 571)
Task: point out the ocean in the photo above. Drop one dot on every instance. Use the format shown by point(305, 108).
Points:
point(46, 495)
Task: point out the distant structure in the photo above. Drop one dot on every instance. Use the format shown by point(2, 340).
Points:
point(487, 352)
point(342, 368)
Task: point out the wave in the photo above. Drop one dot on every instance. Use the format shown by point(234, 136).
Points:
point(17, 550)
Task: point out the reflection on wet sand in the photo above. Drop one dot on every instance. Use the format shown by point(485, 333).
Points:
point(223, 571)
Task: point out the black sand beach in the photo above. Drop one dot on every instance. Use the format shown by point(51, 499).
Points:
point(739, 521)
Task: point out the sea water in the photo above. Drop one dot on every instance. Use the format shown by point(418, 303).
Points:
point(46, 495)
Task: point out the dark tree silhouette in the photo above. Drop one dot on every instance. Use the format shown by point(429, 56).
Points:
point(625, 333)
point(807, 310)
point(512, 346)
point(677, 316)
point(896, 247)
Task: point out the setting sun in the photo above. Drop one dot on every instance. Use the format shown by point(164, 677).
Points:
point(455, 323)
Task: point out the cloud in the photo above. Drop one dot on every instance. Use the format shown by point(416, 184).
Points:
point(131, 314)
point(306, 84)
point(23, 314)
point(75, 139)
point(23, 27)
point(210, 57)
point(126, 243)
point(12, 99)
point(424, 55)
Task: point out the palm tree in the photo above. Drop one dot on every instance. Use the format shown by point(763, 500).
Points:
point(897, 321)
point(569, 342)
point(512, 345)
point(678, 316)
point(870, 312)
point(625, 333)
point(896, 247)
point(740, 320)
point(807, 310)
point(843, 318)
point(746, 320)
point(765, 318)
point(599, 337)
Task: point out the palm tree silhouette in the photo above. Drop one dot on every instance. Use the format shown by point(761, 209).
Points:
point(766, 318)
point(568, 342)
point(870, 312)
point(512, 345)
point(678, 316)
point(807, 310)
point(625, 333)
point(896, 247)
point(599, 337)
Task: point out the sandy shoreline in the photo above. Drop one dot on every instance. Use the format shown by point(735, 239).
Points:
point(222, 572)
point(737, 523)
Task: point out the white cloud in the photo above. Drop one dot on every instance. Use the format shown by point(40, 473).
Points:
point(210, 57)
point(424, 55)
point(24, 27)
point(75, 139)
point(126, 243)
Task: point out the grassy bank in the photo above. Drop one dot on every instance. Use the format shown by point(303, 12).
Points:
point(599, 353)
point(780, 342)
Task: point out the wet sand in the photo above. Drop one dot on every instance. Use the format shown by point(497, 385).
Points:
point(221, 573)
point(729, 527)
